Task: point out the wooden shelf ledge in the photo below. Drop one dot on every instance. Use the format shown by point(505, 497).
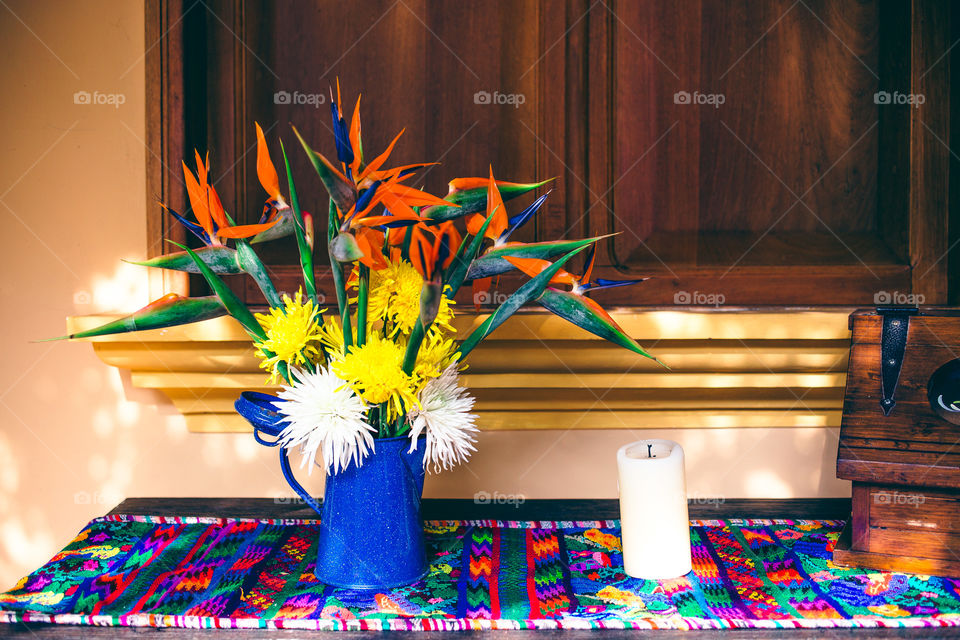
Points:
point(729, 368)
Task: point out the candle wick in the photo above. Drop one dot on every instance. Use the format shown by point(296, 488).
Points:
point(650, 451)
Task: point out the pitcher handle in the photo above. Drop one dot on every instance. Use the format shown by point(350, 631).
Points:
point(260, 411)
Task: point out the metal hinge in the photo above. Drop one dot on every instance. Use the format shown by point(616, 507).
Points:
point(893, 343)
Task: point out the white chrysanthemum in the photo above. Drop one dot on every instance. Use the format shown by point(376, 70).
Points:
point(444, 414)
point(325, 415)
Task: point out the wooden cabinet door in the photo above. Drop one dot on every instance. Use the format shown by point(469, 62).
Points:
point(742, 152)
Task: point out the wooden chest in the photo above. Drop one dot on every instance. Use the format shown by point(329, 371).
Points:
point(900, 441)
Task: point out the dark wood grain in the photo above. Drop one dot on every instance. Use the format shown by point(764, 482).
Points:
point(929, 153)
point(846, 554)
point(798, 167)
point(912, 445)
point(893, 129)
point(905, 466)
point(166, 132)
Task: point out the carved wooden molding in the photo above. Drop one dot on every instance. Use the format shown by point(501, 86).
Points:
point(729, 368)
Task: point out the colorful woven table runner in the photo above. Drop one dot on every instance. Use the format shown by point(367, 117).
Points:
point(204, 572)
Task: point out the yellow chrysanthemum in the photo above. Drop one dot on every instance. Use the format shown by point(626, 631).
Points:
point(331, 337)
point(375, 371)
point(437, 352)
point(395, 298)
point(293, 334)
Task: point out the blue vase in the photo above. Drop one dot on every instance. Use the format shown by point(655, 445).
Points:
point(371, 529)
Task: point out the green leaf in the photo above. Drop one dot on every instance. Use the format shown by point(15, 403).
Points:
point(234, 306)
point(252, 265)
point(492, 262)
point(281, 229)
point(299, 229)
point(530, 290)
point(588, 315)
point(342, 192)
point(462, 262)
point(168, 311)
point(475, 200)
point(220, 259)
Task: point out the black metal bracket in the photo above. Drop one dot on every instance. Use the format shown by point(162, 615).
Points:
point(893, 343)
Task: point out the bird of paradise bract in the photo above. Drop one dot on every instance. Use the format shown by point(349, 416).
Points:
point(382, 358)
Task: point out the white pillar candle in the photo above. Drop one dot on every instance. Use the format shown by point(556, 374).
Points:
point(655, 527)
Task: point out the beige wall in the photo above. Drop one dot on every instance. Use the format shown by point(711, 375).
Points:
point(75, 438)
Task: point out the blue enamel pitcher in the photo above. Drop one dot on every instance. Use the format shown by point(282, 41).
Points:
point(371, 529)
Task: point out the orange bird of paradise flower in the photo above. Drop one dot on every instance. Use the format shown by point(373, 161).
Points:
point(213, 224)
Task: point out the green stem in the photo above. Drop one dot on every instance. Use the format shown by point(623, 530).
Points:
point(413, 347)
point(382, 426)
point(338, 283)
point(401, 428)
point(299, 228)
point(342, 303)
point(407, 239)
point(362, 292)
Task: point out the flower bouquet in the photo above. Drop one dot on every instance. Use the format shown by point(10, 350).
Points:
point(370, 387)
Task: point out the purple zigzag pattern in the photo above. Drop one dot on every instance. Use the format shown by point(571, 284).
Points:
point(479, 564)
point(549, 578)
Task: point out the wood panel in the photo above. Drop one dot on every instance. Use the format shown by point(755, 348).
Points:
point(796, 123)
point(400, 55)
point(930, 155)
point(898, 528)
point(912, 445)
point(165, 126)
point(799, 167)
point(904, 465)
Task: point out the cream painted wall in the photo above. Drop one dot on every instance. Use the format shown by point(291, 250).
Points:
point(75, 438)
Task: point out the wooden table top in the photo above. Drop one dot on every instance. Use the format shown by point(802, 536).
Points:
point(815, 508)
